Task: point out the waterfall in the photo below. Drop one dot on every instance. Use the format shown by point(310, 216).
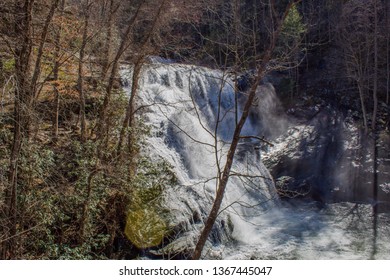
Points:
point(191, 113)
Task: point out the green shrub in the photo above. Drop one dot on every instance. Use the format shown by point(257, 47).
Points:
point(9, 65)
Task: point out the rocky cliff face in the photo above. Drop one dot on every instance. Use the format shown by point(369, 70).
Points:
point(324, 155)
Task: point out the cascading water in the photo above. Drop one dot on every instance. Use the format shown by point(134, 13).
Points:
point(191, 112)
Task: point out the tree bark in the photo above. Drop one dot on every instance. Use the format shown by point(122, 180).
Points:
point(38, 61)
point(107, 44)
point(56, 113)
point(80, 81)
point(21, 120)
point(363, 106)
point(57, 42)
point(374, 128)
point(56, 70)
point(84, 213)
point(375, 89)
point(128, 120)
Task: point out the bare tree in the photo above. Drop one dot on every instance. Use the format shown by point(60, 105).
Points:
point(109, 30)
point(27, 81)
point(142, 38)
point(56, 69)
point(23, 100)
point(359, 37)
point(125, 43)
point(261, 69)
point(80, 82)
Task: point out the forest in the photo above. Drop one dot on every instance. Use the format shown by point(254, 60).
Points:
point(210, 129)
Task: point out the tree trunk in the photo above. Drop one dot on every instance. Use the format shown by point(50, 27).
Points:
point(130, 110)
point(84, 213)
point(375, 89)
point(375, 207)
point(107, 45)
point(107, 98)
point(373, 127)
point(261, 70)
point(387, 52)
point(388, 67)
point(80, 81)
point(57, 42)
point(21, 120)
point(363, 106)
point(56, 113)
point(38, 61)
point(236, 19)
point(129, 117)
point(56, 69)
point(226, 173)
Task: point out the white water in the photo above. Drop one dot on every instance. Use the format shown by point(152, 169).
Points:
point(191, 134)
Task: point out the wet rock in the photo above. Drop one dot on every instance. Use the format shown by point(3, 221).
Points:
point(324, 155)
